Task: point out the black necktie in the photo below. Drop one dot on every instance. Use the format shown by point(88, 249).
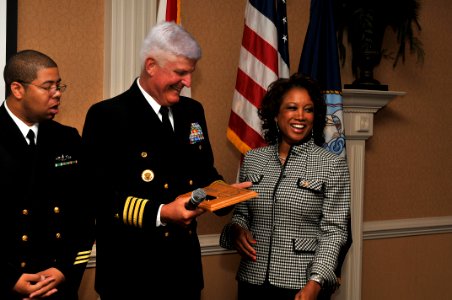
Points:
point(31, 138)
point(166, 121)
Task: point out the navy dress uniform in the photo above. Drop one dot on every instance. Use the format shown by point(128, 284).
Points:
point(45, 222)
point(135, 166)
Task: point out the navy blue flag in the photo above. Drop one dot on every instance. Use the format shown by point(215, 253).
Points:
point(320, 60)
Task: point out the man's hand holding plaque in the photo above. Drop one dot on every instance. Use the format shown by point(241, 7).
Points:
point(220, 195)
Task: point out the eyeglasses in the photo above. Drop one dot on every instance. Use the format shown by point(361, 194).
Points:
point(52, 89)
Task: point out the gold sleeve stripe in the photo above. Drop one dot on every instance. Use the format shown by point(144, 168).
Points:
point(133, 211)
point(131, 208)
point(126, 206)
point(140, 218)
point(84, 252)
point(77, 262)
point(136, 211)
point(82, 257)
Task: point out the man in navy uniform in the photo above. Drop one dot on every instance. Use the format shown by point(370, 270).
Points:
point(144, 148)
point(46, 227)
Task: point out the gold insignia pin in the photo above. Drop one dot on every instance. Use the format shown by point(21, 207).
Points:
point(147, 175)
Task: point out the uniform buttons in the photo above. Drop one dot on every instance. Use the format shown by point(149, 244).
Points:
point(190, 182)
point(25, 238)
point(25, 212)
point(116, 216)
point(144, 154)
point(189, 232)
point(56, 210)
point(147, 175)
point(166, 234)
point(166, 186)
point(200, 147)
point(58, 235)
point(23, 264)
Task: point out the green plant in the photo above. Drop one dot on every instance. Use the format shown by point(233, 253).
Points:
point(366, 21)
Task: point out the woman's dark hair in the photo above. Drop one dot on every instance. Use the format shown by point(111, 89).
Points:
point(272, 102)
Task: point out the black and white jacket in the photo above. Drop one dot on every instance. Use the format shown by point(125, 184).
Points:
point(299, 219)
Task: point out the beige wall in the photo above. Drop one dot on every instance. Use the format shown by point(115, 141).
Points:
point(408, 169)
point(71, 32)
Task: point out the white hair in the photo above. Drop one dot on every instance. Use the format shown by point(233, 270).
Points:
point(169, 38)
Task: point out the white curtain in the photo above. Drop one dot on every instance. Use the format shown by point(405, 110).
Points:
point(2, 46)
point(126, 24)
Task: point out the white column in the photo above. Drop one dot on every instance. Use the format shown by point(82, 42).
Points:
point(2, 46)
point(359, 109)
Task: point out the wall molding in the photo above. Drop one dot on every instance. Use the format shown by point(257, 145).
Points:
point(406, 227)
point(371, 230)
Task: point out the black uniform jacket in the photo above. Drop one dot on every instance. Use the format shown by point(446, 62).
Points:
point(134, 168)
point(45, 222)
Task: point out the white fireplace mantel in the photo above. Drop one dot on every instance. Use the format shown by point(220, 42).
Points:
point(359, 107)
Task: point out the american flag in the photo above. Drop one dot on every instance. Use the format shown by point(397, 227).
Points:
point(264, 57)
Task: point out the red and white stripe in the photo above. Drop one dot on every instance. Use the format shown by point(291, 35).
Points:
point(260, 64)
point(169, 10)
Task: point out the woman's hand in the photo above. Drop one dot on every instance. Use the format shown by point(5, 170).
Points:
point(243, 241)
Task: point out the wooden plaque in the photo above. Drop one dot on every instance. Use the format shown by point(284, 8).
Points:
point(221, 194)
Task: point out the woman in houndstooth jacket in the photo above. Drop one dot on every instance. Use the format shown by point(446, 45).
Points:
point(290, 236)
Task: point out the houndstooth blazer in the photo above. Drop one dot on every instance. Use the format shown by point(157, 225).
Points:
point(299, 219)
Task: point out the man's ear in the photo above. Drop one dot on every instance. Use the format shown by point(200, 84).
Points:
point(17, 89)
point(150, 66)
